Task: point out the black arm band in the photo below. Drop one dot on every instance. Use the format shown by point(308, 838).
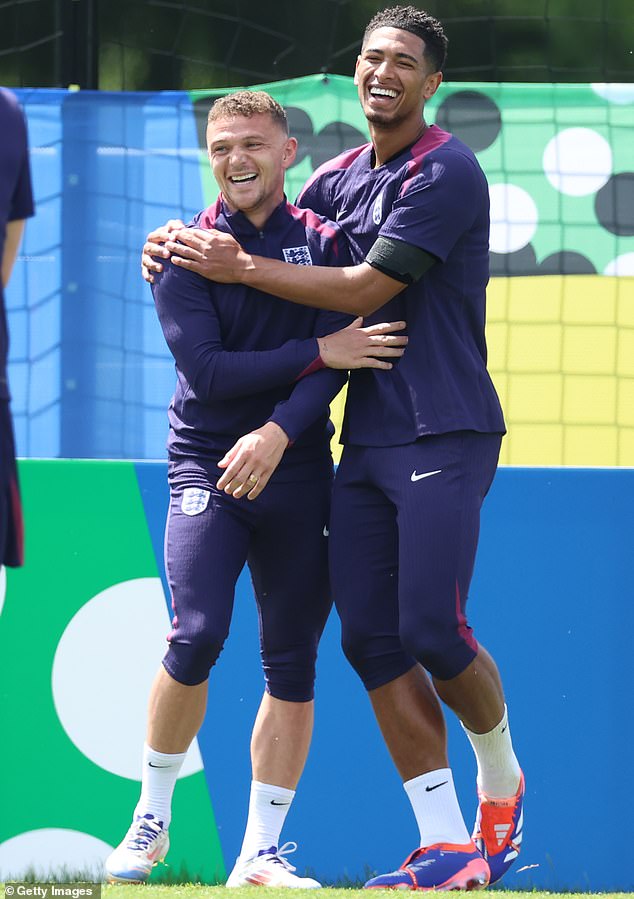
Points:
point(399, 260)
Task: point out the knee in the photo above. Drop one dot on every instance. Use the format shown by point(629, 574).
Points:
point(191, 657)
point(289, 673)
point(376, 659)
point(354, 645)
point(443, 650)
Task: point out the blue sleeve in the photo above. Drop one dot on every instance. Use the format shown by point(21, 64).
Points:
point(192, 331)
point(315, 195)
point(309, 400)
point(21, 202)
point(437, 206)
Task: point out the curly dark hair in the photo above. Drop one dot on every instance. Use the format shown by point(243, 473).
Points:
point(418, 22)
point(247, 104)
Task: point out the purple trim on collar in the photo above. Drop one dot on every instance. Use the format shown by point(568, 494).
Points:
point(433, 137)
point(310, 220)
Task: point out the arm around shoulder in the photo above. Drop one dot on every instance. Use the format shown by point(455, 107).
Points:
point(355, 289)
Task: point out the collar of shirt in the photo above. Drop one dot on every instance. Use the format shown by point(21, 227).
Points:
point(240, 224)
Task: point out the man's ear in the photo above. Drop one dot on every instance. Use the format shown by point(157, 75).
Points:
point(290, 152)
point(356, 66)
point(432, 83)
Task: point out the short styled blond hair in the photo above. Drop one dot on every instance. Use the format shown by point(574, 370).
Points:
point(247, 104)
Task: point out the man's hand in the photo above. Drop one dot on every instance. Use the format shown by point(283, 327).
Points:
point(252, 460)
point(357, 347)
point(154, 249)
point(212, 254)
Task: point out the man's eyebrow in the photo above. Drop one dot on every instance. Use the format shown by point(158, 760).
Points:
point(224, 138)
point(398, 55)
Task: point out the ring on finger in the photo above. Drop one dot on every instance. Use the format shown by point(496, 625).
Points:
point(253, 479)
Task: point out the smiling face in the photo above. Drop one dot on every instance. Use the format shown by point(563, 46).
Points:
point(394, 80)
point(249, 156)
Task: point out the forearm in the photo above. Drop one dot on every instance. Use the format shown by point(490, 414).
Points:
point(11, 244)
point(310, 399)
point(226, 375)
point(358, 290)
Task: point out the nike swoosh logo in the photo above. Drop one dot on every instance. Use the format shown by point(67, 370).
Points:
point(273, 802)
point(426, 474)
point(152, 765)
point(340, 214)
point(435, 786)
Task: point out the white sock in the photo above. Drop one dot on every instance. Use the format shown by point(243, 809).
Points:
point(498, 769)
point(268, 807)
point(435, 805)
point(160, 770)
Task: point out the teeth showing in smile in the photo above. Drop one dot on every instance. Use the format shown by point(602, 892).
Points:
point(240, 179)
point(383, 92)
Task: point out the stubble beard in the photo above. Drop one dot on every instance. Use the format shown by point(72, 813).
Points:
point(384, 121)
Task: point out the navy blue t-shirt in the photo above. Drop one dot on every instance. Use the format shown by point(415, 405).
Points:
point(433, 195)
point(16, 198)
point(244, 357)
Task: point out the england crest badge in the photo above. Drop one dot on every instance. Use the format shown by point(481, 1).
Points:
point(297, 255)
point(195, 500)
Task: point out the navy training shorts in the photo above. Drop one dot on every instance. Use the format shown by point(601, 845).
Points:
point(404, 530)
point(282, 536)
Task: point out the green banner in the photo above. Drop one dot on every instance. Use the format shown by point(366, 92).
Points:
point(83, 628)
point(559, 159)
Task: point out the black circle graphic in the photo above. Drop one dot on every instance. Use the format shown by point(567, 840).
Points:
point(614, 204)
point(300, 125)
point(471, 116)
point(508, 265)
point(333, 140)
point(566, 262)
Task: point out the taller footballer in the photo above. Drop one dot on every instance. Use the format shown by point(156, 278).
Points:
point(421, 444)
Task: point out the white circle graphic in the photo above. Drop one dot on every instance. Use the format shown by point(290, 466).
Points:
point(621, 94)
point(513, 218)
point(622, 265)
point(52, 851)
point(104, 666)
point(577, 161)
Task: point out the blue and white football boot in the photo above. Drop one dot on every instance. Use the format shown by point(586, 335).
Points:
point(443, 866)
point(145, 844)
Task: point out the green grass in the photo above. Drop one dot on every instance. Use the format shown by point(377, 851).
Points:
point(175, 885)
point(196, 891)
point(200, 891)
point(171, 884)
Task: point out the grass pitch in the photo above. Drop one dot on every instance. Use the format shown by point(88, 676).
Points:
point(197, 891)
point(201, 891)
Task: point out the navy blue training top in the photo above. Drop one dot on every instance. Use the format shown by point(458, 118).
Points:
point(16, 199)
point(244, 357)
point(432, 195)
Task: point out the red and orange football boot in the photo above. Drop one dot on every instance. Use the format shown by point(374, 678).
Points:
point(498, 830)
